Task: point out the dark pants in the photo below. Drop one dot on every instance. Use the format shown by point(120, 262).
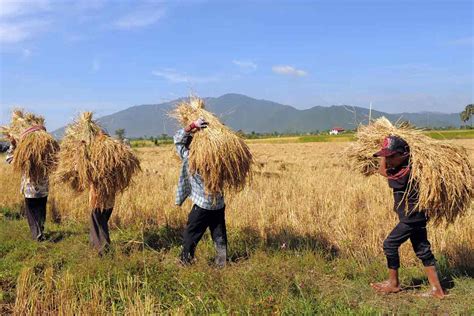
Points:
point(417, 234)
point(36, 215)
point(99, 231)
point(198, 221)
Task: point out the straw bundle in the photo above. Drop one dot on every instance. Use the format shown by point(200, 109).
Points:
point(35, 154)
point(20, 122)
point(91, 159)
point(217, 154)
point(442, 171)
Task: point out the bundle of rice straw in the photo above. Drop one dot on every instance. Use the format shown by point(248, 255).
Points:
point(217, 154)
point(441, 170)
point(35, 155)
point(91, 159)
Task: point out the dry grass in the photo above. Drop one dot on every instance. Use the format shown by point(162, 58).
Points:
point(91, 159)
point(219, 155)
point(441, 170)
point(298, 190)
point(35, 155)
point(21, 121)
point(42, 294)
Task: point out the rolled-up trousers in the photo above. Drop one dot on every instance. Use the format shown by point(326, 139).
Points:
point(418, 236)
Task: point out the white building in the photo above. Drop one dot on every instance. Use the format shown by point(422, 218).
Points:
point(336, 130)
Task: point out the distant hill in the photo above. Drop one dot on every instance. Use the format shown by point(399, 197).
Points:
point(241, 112)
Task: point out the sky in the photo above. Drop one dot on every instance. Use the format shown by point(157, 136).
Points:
point(60, 57)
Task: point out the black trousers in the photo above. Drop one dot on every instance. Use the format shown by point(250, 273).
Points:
point(199, 220)
point(417, 234)
point(36, 215)
point(99, 230)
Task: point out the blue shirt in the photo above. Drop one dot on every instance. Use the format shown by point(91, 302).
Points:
point(191, 185)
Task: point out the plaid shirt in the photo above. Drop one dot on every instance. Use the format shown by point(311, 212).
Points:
point(191, 185)
point(29, 189)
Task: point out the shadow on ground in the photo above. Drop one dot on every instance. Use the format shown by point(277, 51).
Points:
point(245, 241)
point(458, 263)
point(57, 236)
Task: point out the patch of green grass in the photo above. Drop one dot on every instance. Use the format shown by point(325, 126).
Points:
point(451, 134)
point(346, 137)
point(261, 278)
point(349, 136)
point(150, 143)
point(274, 140)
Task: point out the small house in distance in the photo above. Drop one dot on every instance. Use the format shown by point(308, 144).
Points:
point(336, 131)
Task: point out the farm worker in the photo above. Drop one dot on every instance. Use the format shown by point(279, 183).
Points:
point(395, 165)
point(35, 193)
point(208, 209)
point(99, 225)
point(100, 214)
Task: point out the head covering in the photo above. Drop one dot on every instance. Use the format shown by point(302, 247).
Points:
point(392, 145)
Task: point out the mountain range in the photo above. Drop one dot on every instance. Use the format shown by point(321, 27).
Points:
point(244, 113)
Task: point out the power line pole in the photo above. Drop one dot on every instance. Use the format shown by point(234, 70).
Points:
point(370, 112)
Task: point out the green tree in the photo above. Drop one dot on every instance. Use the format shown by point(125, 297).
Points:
point(466, 115)
point(120, 133)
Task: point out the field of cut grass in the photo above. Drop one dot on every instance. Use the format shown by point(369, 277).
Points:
point(305, 237)
point(142, 277)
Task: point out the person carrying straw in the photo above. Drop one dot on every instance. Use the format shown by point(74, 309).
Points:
point(214, 159)
point(208, 209)
point(32, 152)
point(91, 160)
point(396, 167)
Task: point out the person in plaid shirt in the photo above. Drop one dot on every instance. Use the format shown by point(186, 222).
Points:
point(208, 209)
point(36, 196)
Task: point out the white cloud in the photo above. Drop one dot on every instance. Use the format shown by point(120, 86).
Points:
point(177, 77)
point(87, 5)
point(96, 65)
point(288, 70)
point(15, 8)
point(21, 20)
point(14, 32)
point(25, 52)
point(139, 19)
point(246, 65)
point(465, 41)
point(18, 21)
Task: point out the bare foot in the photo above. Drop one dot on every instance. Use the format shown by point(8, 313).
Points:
point(385, 287)
point(434, 293)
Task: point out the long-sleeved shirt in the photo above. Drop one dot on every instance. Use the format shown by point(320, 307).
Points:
point(191, 185)
point(405, 197)
point(28, 188)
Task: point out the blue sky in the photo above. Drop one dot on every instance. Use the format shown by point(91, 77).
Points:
point(61, 57)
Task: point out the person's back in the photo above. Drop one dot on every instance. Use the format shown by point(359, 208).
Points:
point(208, 209)
point(35, 194)
point(191, 184)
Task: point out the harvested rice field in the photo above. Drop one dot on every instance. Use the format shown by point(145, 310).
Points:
point(304, 237)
